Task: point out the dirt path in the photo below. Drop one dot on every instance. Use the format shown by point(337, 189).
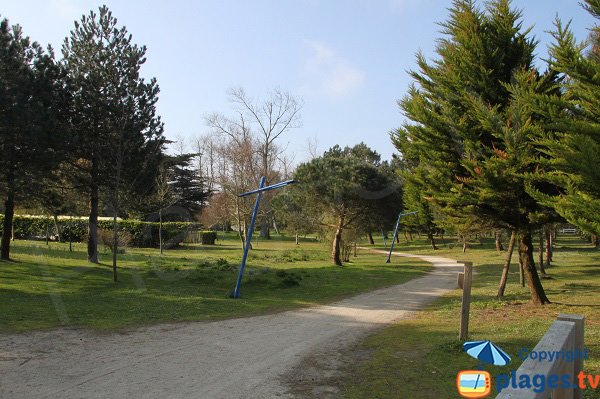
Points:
point(239, 358)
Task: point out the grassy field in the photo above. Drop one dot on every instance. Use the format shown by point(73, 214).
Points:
point(47, 286)
point(419, 358)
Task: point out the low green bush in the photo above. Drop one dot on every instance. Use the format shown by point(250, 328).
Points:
point(143, 234)
point(208, 237)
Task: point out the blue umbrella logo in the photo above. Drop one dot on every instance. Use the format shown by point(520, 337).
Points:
point(487, 352)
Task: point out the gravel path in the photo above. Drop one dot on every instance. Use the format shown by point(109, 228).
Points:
point(238, 358)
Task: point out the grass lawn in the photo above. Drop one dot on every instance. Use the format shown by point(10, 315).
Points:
point(420, 357)
point(47, 286)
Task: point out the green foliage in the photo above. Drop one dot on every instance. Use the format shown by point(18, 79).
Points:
point(208, 237)
point(470, 143)
point(143, 234)
point(186, 187)
point(572, 139)
point(290, 212)
point(344, 185)
point(345, 188)
point(31, 90)
point(117, 133)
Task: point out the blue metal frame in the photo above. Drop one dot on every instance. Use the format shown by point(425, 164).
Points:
point(396, 233)
point(259, 191)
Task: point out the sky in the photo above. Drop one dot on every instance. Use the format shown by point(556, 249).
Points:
point(346, 59)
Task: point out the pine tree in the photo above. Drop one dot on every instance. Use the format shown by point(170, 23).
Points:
point(30, 134)
point(341, 189)
point(470, 143)
point(118, 135)
point(572, 139)
point(186, 186)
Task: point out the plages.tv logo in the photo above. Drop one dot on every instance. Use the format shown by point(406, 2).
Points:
point(474, 383)
point(478, 383)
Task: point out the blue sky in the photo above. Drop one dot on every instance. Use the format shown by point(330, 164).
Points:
point(346, 59)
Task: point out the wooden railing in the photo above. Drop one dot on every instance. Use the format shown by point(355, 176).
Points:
point(565, 334)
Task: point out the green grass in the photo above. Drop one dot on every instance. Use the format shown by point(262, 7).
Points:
point(48, 286)
point(420, 357)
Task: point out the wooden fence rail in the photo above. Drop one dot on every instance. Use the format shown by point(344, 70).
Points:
point(565, 334)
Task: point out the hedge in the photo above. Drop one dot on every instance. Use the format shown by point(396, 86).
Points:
point(143, 234)
point(208, 237)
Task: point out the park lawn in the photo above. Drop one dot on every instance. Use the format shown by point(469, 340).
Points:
point(420, 357)
point(47, 286)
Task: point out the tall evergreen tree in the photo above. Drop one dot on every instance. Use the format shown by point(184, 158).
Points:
point(118, 134)
point(572, 139)
point(472, 144)
point(30, 93)
point(186, 186)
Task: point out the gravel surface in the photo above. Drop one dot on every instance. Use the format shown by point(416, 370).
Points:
point(254, 357)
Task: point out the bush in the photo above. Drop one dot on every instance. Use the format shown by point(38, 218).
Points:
point(105, 237)
point(142, 234)
point(208, 237)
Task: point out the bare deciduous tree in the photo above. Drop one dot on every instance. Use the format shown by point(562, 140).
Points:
point(248, 147)
point(278, 113)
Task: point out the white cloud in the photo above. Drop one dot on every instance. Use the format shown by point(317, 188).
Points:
point(332, 75)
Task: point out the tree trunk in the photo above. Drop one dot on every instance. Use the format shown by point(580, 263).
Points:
point(265, 228)
point(239, 220)
point(55, 217)
point(115, 246)
point(505, 269)
point(370, 237)
point(538, 296)
point(465, 244)
point(541, 253)
point(9, 213)
point(406, 237)
point(160, 240)
point(521, 273)
point(410, 236)
point(337, 242)
point(297, 239)
point(548, 239)
point(499, 246)
point(92, 245)
point(432, 241)
point(595, 241)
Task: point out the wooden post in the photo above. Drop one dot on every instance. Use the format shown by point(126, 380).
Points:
point(466, 301)
point(460, 278)
point(579, 346)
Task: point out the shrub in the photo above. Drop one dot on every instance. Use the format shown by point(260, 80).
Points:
point(289, 280)
point(142, 234)
point(124, 238)
point(208, 237)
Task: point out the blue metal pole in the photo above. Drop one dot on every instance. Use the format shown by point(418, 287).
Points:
point(393, 239)
point(273, 187)
point(236, 292)
point(396, 234)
